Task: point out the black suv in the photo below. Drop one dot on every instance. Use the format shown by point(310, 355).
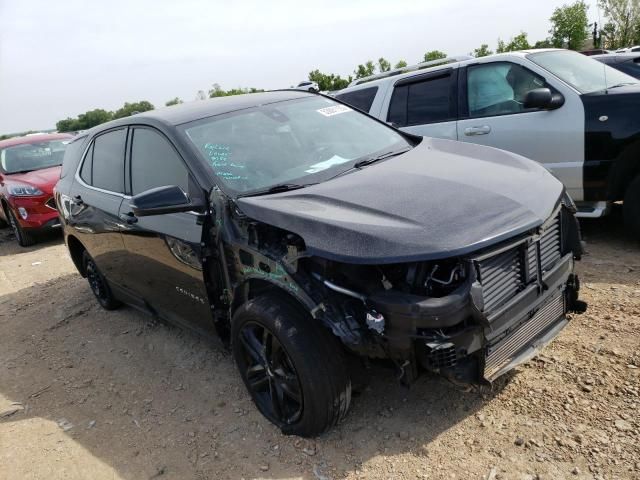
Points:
point(307, 235)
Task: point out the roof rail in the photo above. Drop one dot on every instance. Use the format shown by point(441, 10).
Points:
point(411, 68)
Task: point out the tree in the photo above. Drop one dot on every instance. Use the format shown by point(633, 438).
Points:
point(482, 51)
point(129, 109)
point(519, 42)
point(365, 70)
point(383, 65)
point(569, 26)
point(217, 91)
point(623, 26)
point(67, 125)
point(329, 82)
point(174, 101)
point(546, 43)
point(401, 64)
point(434, 55)
point(201, 95)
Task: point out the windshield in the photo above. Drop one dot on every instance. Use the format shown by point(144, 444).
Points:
point(32, 156)
point(300, 141)
point(581, 72)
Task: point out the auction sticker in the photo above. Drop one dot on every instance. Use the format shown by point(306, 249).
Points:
point(334, 110)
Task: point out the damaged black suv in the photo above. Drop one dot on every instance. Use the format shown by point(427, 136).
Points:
point(307, 234)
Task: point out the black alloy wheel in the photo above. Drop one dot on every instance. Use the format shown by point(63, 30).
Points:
point(271, 377)
point(98, 284)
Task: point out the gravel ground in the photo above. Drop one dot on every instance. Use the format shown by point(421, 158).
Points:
point(86, 393)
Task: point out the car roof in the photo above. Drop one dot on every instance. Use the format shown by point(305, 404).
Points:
point(489, 58)
point(43, 137)
point(617, 57)
point(198, 109)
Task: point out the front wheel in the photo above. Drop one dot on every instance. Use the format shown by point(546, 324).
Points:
point(631, 208)
point(293, 367)
point(98, 284)
point(24, 237)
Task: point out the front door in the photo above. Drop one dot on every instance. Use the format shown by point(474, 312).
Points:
point(96, 195)
point(163, 252)
point(492, 113)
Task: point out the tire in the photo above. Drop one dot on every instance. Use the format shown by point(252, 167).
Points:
point(24, 237)
point(292, 366)
point(631, 207)
point(98, 283)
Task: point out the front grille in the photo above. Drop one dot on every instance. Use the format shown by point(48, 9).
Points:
point(505, 274)
point(504, 350)
point(51, 203)
point(501, 278)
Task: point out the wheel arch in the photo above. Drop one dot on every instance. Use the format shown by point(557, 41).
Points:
point(76, 250)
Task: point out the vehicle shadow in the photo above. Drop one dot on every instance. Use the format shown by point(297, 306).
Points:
point(147, 400)
point(10, 245)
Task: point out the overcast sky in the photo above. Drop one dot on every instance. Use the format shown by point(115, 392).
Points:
point(62, 58)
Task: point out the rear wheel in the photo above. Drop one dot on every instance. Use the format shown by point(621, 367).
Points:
point(24, 237)
point(98, 284)
point(293, 368)
point(631, 207)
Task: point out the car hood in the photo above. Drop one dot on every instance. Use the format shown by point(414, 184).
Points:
point(45, 179)
point(440, 199)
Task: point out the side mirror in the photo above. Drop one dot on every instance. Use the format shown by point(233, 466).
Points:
point(543, 99)
point(162, 200)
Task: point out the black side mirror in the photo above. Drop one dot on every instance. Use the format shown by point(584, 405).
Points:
point(162, 200)
point(543, 99)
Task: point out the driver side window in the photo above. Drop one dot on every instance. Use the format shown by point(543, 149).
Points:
point(499, 88)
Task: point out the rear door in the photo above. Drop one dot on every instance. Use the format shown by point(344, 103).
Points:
point(163, 252)
point(95, 197)
point(425, 104)
point(492, 113)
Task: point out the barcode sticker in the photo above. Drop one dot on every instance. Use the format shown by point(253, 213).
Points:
point(334, 110)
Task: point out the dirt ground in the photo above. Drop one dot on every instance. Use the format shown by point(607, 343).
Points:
point(86, 393)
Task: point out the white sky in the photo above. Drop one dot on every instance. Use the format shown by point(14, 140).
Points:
point(63, 57)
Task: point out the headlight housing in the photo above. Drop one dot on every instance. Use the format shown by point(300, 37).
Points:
point(22, 190)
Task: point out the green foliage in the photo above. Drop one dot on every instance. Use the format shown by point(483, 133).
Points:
point(434, 55)
point(623, 23)
point(329, 82)
point(365, 70)
point(174, 101)
point(519, 42)
point(546, 43)
point(401, 64)
point(569, 26)
point(85, 120)
point(129, 109)
point(482, 51)
point(384, 65)
point(217, 91)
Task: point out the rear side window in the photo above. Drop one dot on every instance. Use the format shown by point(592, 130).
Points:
point(103, 166)
point(421, 102)
point(361, 99)
point(630, 68)
point(155, 163)
point(72, 156)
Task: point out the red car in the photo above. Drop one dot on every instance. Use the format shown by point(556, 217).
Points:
point(29, 169)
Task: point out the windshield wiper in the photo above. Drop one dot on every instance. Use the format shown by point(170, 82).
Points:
point(377, 158)
point(279, 188)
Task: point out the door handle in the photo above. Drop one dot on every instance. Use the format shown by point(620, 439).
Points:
point(129, 218)
point(77, 200)
point(472, 131)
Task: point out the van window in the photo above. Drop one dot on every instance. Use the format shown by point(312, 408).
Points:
point(421, 102)
point(155, 163)
point(361, 99)
point(108, 160)
point(499, 88)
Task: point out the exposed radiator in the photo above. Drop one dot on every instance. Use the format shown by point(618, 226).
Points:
point(504, 350)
